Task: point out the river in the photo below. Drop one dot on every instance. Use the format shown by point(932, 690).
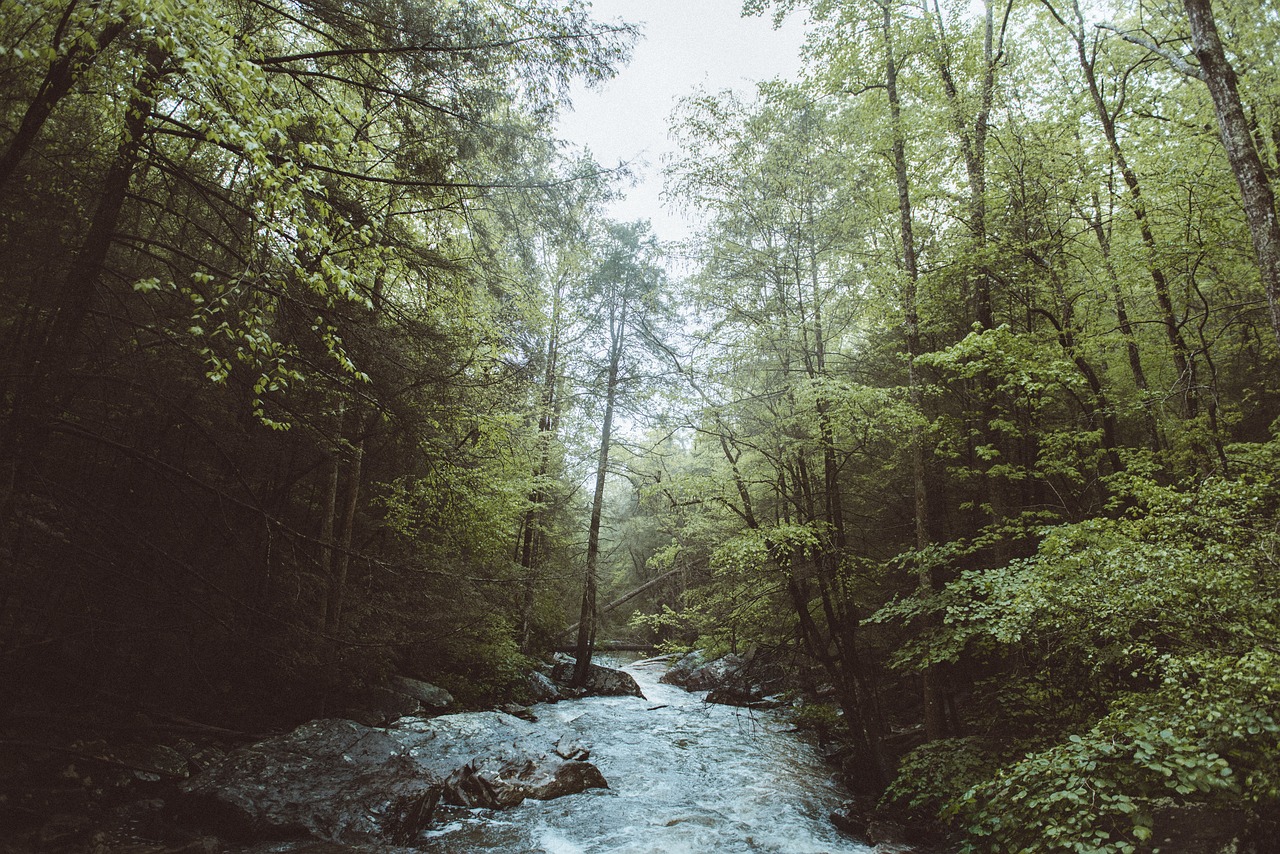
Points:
point(684, 776)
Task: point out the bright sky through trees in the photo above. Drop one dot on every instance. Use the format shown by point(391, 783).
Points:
point(686, 44)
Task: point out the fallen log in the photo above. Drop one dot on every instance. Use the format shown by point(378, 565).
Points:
point(627, 597)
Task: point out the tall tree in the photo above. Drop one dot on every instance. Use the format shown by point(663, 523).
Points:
point(1237, 138)
point(625, 285)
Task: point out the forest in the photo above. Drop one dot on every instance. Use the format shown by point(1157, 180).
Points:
point(322, 361)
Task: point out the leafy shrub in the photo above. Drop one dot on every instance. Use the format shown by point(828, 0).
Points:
point(1166, 619)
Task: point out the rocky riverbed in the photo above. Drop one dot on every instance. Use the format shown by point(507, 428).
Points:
point(661, 769)
point(130, 784)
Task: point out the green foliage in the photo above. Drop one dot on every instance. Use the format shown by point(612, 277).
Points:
point(1164, 613)
point(930, 775)
point(277, 272)
point(479, 662)
point(822, 719)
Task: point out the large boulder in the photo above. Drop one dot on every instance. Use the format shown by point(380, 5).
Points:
point(539, 688)
point(694, 672)
point(382, 705)
point(337, 780)
point(329, 779)
point(679, 673)
point(400, 697)
point(433, 698)
point(601, 681)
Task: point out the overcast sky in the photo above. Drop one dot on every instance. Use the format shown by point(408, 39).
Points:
point(685, 44)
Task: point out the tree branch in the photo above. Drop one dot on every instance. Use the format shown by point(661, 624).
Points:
point(1179, 63)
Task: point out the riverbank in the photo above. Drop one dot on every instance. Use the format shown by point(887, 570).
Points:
point(682, 775)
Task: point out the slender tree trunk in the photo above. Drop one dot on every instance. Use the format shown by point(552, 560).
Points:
point(80, 285)
point(329, 518)
point(61, 75)
point(744, 494)
point(972, 132)
point(587, 617)
point(342, 552)
point(530, 551)
point(631, 594)
point(1126, 327)
point(1255, 188)
point(1183, 363)
point(934, 720)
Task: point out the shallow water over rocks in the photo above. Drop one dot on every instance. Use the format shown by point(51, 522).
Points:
point(684, 776)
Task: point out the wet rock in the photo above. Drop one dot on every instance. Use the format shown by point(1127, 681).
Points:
point(568, 748)
point(539, 688)
point(329, 779)
point(860, 819)
point(601, 681)
point(400, 697)
point(889, 837)
point(200, 756)
point(339, 781)
point(469, 787)
point(432, 698)
point(730, 695)
point(383, 705)
point(679, 673)
point(150, 762)
point(852, 817)
point(500, 785)
point(547, 780)
point(695, 673)
point(744, 697)
point(516, 710)
point(371, 717)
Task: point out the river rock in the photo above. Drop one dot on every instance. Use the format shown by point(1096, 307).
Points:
point(432, 698)
point(329, 779)
point(747, 697)
point(601, 681)
point(518, 711)
point(382, 705)
point(539, 688)
point(501, 784)
point(339, 781)
point(694, 673)
point(679, 673)
point(569, 748)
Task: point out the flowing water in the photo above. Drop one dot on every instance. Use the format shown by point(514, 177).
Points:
point(684, 776)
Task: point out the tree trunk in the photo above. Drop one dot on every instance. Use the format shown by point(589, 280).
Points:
point(934, 720)
point(588, 615)
point(58, 80)
point(532, 534)
point(342, 551)
point(631, 594)
point(1156, 442)
point(1183, 363)
point(1255, 189)
point(972, 132)
point(329, 518)
point(78, 288)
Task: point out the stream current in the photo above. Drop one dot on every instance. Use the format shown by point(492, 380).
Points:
point(685, 777)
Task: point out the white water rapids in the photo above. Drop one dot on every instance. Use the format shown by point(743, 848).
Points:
point(684, 778)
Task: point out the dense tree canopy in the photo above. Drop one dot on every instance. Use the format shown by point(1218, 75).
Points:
point(321, 362)
point(272, 309)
